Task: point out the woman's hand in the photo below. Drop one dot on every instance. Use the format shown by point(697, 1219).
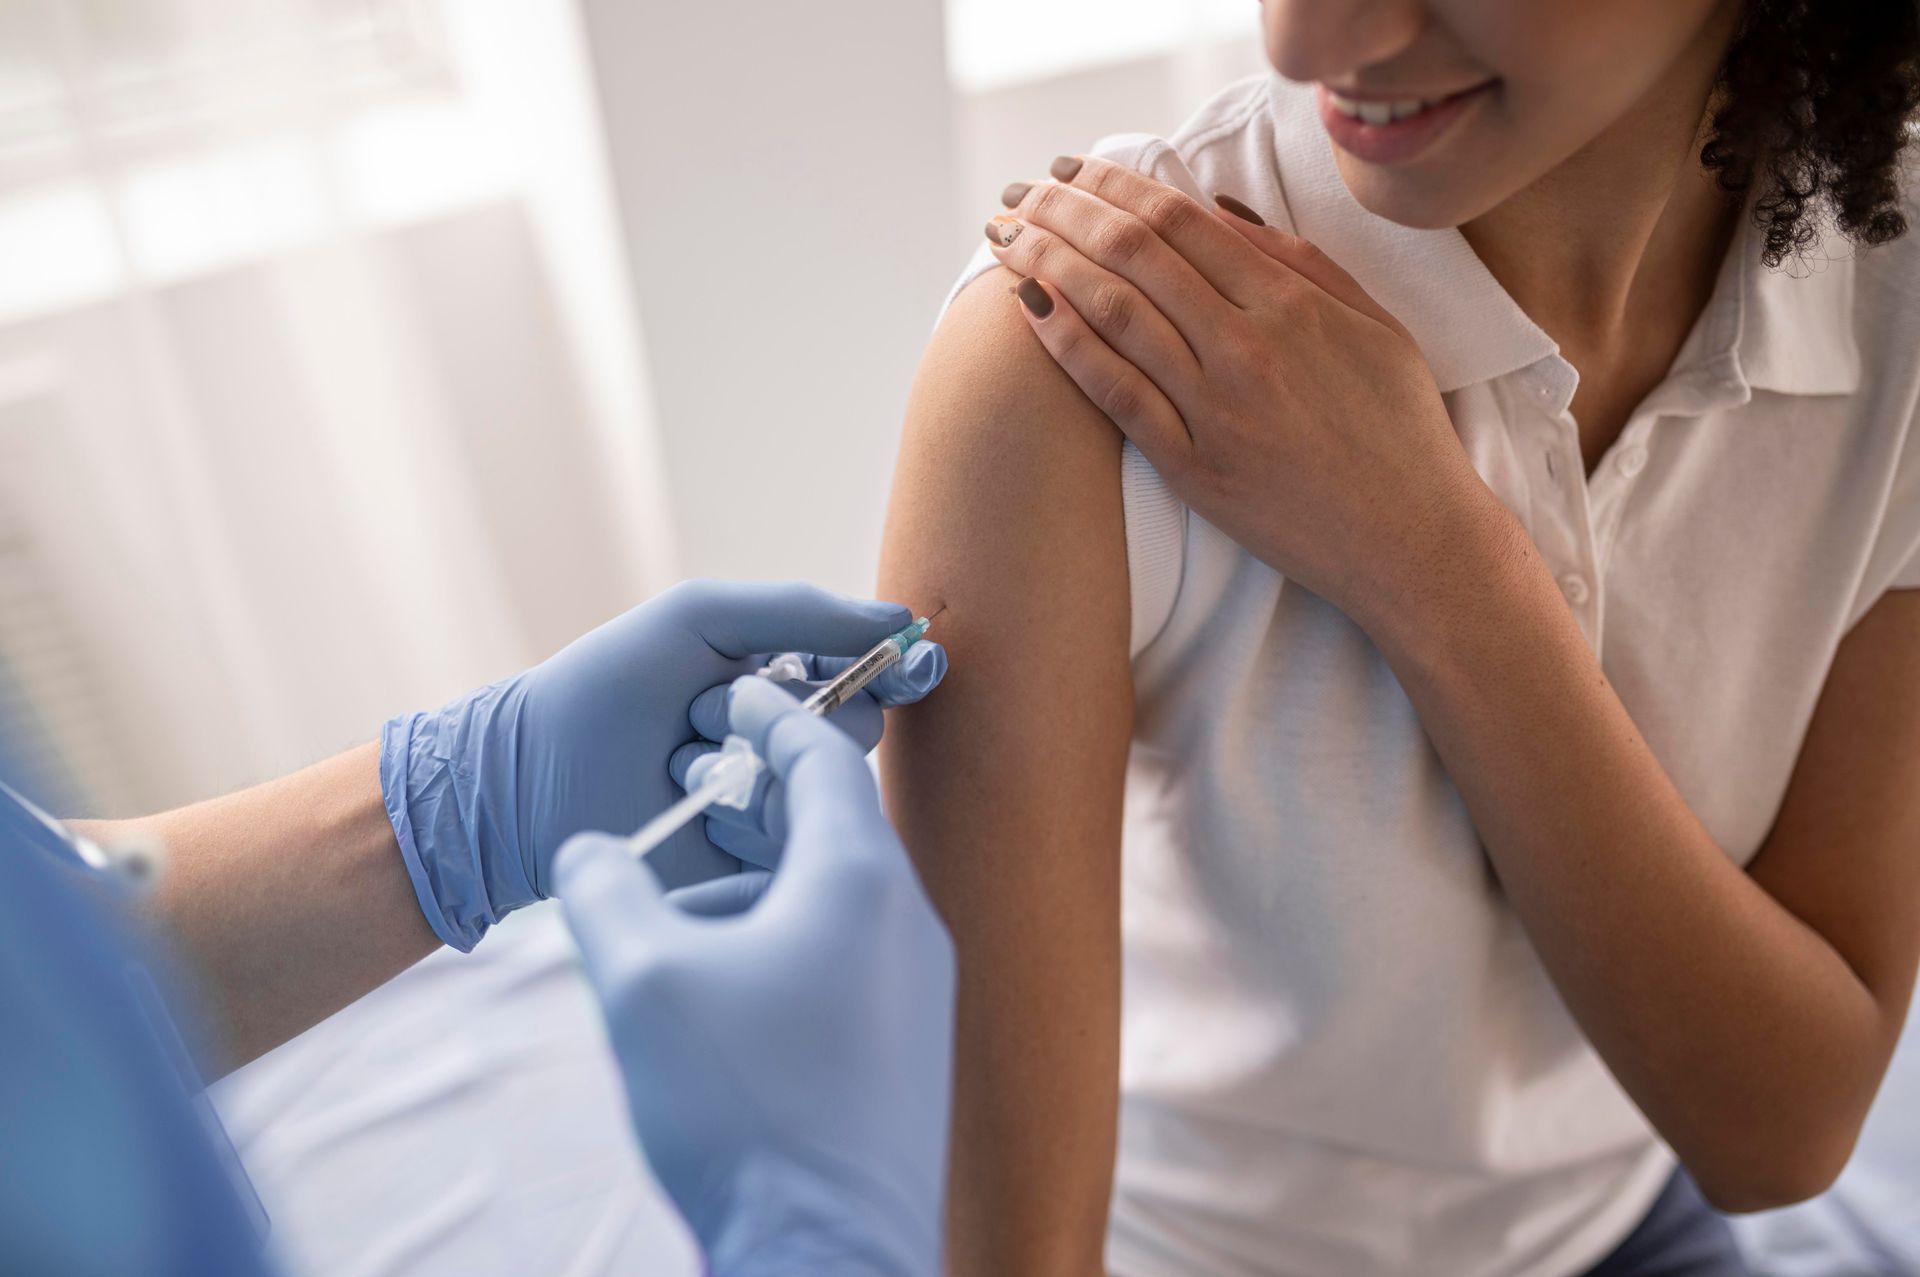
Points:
point(1277, 399)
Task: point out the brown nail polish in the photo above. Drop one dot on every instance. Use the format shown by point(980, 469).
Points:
point(1239, 210)
point(1066, 168)
point(1038, 302)
point(1004, 230)
point(1012, 196)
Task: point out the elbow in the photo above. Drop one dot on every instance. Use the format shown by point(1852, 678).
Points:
point(1790, 1166)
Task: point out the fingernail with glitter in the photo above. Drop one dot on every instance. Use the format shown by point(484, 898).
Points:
point(1004, 230)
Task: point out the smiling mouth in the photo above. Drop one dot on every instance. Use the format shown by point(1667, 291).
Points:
point(1389, 111)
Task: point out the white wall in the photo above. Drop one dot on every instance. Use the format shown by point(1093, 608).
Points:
point(1014, 131)
point(798, 187)
point(784, 174)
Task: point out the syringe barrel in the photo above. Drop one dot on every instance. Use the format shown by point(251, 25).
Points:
point(856, 676)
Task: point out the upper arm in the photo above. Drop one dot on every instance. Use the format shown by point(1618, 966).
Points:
point(1006, 784)
point(1844, 853)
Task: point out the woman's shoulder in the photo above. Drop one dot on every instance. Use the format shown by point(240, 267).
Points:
point(1233, 143)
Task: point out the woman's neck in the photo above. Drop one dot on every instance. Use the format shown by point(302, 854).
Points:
point(1628, 233)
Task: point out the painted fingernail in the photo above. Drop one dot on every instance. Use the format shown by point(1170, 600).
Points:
point(1066, 168)
point(1012, 196)
point(1003, 230)
point(1038, 302)
point(1239, 210)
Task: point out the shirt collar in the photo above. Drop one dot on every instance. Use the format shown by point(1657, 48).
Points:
point(1793, 331)
point(1788, 330)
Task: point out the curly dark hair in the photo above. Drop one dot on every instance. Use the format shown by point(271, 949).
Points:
point(1814, 103)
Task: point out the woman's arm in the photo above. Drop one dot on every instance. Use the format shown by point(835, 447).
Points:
point(1007, 785)
point(288, 900)
point(1751, 1015)
point(295, 897)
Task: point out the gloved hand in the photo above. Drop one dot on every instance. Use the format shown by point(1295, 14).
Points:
point(483, 791)
point(753, 834)
point(789, 1069)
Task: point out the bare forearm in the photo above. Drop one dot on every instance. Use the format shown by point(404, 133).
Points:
point(288, 900)
point(1736, 1026)
point(1036, 1066)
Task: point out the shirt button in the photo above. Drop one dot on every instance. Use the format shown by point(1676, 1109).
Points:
point(1574, 586)
point(1633, 461)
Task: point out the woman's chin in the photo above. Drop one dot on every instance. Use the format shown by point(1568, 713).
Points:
point(1421, 201)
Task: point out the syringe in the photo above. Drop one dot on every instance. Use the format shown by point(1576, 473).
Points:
point(729, 782)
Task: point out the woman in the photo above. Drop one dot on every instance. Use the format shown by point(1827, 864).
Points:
point(1501, 635)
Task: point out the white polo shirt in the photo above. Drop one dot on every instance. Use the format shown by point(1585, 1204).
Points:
point(1341, 1054)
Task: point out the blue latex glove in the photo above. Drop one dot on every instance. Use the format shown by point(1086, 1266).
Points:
point(483, 791)
point(753, 834)
point(789, 1069)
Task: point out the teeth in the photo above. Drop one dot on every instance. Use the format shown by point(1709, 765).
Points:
point(1379, 112)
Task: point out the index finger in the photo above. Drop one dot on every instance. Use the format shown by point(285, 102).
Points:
point(789, 738)
point(738, 619)
point(832, 804)
point(1222, 256)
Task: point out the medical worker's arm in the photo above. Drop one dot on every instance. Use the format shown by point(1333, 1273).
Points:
point(296, 897)
point(788, 1069)
point(1007, 786)
point(287, 900)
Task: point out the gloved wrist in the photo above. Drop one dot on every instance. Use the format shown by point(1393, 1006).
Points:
point(436, 769)
point(785, 1223)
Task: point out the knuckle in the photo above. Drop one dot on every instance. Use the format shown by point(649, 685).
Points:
point(1041, 248)
point(1308, 252)
point(1242, 350)
point(682, 594)
point(1046, 199)
point(1066, 344)
point(1171, 214)
point(1287, 290)
point(1119, 239)
point(1112, 308)
point(1101, 179)
point(1122, 398)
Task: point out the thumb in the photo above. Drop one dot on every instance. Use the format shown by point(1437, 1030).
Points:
point(612, 903)
point(739, 619)
point(834, 821)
